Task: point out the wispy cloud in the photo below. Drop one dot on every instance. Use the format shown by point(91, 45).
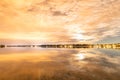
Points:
point(89, 20)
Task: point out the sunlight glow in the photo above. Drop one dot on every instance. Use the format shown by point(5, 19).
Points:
point(80, 56)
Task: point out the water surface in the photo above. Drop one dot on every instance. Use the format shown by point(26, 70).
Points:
point(59, 64)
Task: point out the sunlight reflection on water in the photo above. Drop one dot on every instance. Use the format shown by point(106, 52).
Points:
point(59, 64)
point(80, 56)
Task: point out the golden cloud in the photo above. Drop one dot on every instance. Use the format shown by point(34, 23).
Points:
point(59, 19)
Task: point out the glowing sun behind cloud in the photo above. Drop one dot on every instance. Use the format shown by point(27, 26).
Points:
point(63, 20)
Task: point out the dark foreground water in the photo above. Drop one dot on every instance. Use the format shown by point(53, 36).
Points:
point(59, 64)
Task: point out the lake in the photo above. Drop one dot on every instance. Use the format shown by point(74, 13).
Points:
point(59, 64)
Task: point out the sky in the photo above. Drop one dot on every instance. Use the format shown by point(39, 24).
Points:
point(82, 21)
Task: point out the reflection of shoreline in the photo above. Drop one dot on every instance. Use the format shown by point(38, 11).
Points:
point(109, 46)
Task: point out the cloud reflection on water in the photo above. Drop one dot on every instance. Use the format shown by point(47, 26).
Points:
point(61, 64)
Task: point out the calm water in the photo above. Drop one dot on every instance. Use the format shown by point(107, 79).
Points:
point(59, 64)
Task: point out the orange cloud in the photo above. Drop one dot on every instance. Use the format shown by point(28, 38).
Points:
point(62, 19)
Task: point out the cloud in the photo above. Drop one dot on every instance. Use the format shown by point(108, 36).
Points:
point(89, 20)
